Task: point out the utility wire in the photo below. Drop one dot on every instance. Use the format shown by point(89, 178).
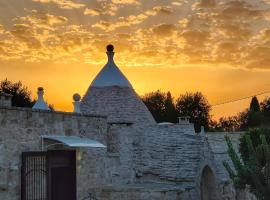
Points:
point(232, 101)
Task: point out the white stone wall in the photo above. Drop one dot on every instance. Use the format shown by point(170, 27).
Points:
point(218, 146)
point(21, 131)
point(142, 162)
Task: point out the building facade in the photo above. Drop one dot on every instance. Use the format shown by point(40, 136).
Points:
point(110, 148)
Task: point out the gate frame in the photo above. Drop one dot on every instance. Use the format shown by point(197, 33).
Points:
point(23, 172)
point(45, 154)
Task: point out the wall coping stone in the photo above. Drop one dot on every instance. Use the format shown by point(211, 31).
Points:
point(51, 112)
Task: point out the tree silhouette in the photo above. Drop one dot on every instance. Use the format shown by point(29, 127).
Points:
point(170, 114)
point(254, 105)
point(196, 106)
point(155, 103)
point(265, 109)
point(226, 124)
point(161, 106)
point(254, 116)
point(21, 94)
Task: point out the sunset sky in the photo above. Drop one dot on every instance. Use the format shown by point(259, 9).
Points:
point(221, 48)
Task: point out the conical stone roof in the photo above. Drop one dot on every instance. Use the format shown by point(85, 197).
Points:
point(111, 94)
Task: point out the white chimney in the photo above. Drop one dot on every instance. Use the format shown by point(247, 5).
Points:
point(77, 103)
point(202, 130)
point(40, 104)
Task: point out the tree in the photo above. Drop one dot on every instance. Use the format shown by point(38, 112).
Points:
point(154, 101)
point(196, 106)
point(254, 135)
point(265, 109)
point(21, 94)
point(170, 110)
point(243, 120)
point(228, 124)
point(254, 117)
point(254, 171)
point(161, 106)
point(254, 105)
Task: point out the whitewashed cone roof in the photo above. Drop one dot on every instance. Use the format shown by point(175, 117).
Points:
point(111, 94)
point(110, 75)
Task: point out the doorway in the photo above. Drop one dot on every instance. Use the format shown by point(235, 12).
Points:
point(49, 175)
point(62, 175)
point(208, 185)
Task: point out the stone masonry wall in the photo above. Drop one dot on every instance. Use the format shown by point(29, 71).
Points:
point(141, 162)
point(120, 104)
point(20, 131)
point(218, 146)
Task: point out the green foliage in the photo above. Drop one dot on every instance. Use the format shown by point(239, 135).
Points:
point(196, 106)
point(239, 177)
point(265, 109)
point(254, 119)
point(254, 171)
point(21, 94)
point(254, 135)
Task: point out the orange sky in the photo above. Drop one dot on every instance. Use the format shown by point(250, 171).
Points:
point(220, 48)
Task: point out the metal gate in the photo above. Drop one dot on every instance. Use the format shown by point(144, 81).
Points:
point(34, 176)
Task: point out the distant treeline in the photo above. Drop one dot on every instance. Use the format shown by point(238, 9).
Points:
point(165, 108)
point(21, 95)
point(195, 105)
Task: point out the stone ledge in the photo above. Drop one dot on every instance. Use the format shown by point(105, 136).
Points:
point(51, 112)
point(158, 187)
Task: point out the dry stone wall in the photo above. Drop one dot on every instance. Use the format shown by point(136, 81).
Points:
point(142, 162)
point(21, 131)
point(218, 146)
point(120, 104)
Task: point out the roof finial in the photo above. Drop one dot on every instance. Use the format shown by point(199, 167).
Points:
point(110, 53)
point(110, 48)
point(77, 103)
point(41, 104)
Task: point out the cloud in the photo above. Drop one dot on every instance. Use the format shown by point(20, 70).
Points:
point(131, 20)
point(125, 1)
point(208, 33)
point(122, 22)
point(195, 38)
point(64, 4)
point(239, 9)
point(104, 25)
point(235, 31)
point(124, 36)
point(103, 8)
point(179, 2)
point(205, 4)
point(1, 28)
point(258, 57)
point(167, 10)
point(92, 12)
point(164, 30)
point(26, 34)
point(38, 19)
